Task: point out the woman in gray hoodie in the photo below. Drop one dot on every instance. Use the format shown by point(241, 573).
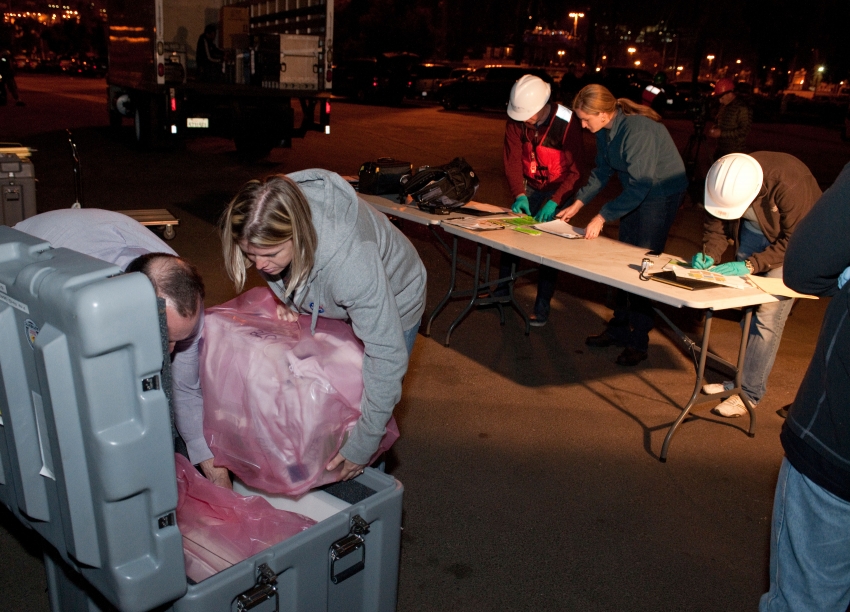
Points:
point(324, 252)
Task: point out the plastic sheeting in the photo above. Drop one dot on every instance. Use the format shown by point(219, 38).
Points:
point(278, 401)
point(222, 528)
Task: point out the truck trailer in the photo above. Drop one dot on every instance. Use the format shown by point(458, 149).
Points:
point(271, 52)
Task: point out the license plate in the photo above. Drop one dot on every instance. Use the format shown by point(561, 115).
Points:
point(197, 122)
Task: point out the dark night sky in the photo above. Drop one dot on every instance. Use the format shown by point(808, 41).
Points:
point(774, 32)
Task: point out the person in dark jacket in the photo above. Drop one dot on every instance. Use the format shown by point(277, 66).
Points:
point(733, 121)
point(544, 154)
point(756, 200)
point(631, 141)
point(810, 532)
point(208, 56)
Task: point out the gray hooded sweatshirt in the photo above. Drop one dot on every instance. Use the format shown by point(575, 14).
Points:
point(366, 272)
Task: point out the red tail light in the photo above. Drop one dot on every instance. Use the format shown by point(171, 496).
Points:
point(327, 107)
point(329, 75)
point(173, 105)
point(160, 69)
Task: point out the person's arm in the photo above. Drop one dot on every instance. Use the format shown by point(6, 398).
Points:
point(513, 158)
point(361, 287)
point(600, 175)
point(714, 237)
point(791, 202)
point(819, 250)
point(189, 407)
point(640, 156)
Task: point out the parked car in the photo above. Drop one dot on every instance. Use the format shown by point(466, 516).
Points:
point(381, 80)
point(488, 87)
point(624, 82)
point(425, 80)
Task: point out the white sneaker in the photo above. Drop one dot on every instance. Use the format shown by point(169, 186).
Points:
point(712, 388)
point(731, 407)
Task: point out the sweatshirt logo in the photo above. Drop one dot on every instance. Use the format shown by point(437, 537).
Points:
point(313, 307)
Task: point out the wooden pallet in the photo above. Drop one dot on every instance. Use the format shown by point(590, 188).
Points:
point(158, 217)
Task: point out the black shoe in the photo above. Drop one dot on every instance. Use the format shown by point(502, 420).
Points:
point(602, 340)
point(783, 412)
point(630, 357)
point(537, 321)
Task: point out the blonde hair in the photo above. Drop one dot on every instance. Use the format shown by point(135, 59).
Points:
point(266, 213)
point(595, 99)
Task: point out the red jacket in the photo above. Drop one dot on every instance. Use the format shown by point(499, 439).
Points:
point(557, 145)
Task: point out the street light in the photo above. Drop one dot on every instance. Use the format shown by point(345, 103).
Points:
point(576, 17)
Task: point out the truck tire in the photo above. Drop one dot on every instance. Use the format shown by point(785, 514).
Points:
point(144, 122)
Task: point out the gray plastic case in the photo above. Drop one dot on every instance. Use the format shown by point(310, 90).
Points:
point(17, 189)
point(86, 459)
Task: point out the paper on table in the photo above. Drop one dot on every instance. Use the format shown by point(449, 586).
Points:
point(561, 228)
point(475, 223)
point(775, 286)
point(736, 282)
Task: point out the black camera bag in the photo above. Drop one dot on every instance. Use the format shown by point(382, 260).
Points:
point(440, 189)
point(383, 176)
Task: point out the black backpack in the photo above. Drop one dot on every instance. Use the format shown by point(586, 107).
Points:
point(439, 189)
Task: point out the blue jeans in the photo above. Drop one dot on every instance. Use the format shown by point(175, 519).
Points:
point(647, 227)
point(766, 327)
point(546, 276)
point(809, 547)
point(410, 337)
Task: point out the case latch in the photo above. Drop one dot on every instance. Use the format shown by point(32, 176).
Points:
point(264, 590)
point(354, 542)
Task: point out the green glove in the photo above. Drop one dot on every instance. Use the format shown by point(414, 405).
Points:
point(521, 205)
point(546, 212)
point(732, 268)
point(701, 261)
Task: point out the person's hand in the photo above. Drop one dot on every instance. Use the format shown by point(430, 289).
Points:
point(286, 315)
point(701, 261)
point(521, 205)
point(731, 268)
point(219, 476)
point(570, 211)
point(349, 470)
point(594, 227)
point(714, 132)
point(546, 212)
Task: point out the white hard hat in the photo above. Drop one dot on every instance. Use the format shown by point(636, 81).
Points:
point(733, 182)
point(528, 95)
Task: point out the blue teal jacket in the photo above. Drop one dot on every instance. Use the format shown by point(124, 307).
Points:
point(643, 154)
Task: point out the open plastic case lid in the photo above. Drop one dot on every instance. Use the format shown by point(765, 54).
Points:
point(85, 441)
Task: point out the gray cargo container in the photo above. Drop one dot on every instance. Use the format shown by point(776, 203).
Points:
point(86, 460)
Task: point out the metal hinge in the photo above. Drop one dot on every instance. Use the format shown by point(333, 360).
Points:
point(264, 590)
point(354, 542)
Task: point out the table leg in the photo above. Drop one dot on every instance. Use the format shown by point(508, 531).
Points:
point(473, 298)
point(700, 376)
point(703, 354)
point(447, 297)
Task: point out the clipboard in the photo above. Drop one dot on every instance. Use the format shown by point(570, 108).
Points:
point(691, 284)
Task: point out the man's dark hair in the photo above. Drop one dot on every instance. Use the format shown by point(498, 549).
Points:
point(210, 29)
point(174, 279)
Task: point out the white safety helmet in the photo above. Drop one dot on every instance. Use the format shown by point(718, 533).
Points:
point(733, 182)
point(528, 95)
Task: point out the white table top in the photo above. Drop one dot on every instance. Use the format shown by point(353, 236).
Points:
point(612, 263)
point(389, 205)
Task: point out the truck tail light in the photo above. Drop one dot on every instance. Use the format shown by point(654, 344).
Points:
point(329, 75)
point(327, 107)
point(173, 105)
point(160, 69)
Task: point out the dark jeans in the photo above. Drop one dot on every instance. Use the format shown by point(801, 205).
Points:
point(546, 276)
point(647, 227)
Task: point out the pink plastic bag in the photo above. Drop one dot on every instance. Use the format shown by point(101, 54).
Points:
point(278, 401)
point(221, 528)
